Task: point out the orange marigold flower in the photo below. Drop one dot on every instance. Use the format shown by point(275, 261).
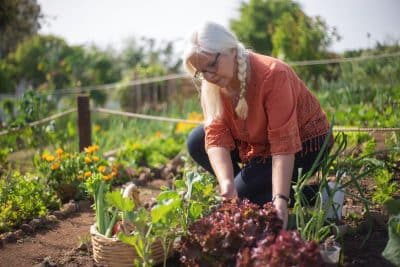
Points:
point(91, 149)
point(50, 158)
point(55, 166)
point(158, 134)
point(88, 160)
point(59, 152)
point(107, 177)
point(102, 168)
point(88, 174)
point(95, 158)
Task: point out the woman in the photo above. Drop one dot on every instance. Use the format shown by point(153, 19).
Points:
point(257, 112)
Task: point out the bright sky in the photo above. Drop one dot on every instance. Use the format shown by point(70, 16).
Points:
point(106, 22)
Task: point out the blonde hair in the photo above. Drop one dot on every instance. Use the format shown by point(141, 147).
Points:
point(214, 38)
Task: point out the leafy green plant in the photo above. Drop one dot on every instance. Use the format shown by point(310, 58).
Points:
point(65, 171)
point(392, 249)
point(157, 150)
point(176, 208)
point(24, 197)
point(385, 186)
point(312, 223)
point(141, 238)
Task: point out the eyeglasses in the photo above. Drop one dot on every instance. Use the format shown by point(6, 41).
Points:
point(211, 68)
point(200, 74)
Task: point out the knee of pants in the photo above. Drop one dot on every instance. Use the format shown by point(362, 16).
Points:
point(195, 142)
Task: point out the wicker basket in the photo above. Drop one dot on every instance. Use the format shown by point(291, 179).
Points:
point(112, 252)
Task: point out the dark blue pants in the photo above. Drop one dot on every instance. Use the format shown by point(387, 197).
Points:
point(254, 180)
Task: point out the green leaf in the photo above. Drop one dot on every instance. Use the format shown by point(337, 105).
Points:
point(116, 199)
point(392, 249)
point(167, 195)
point(133, 240)
point(196, 210)
point(163, 210)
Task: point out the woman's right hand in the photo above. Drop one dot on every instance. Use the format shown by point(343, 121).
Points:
point(228, 190)
point(221, 162)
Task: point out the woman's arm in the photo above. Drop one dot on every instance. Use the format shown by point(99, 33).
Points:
point(220, 159)
point(282, 171)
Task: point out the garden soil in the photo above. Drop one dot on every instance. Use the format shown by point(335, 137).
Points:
point(66, 243)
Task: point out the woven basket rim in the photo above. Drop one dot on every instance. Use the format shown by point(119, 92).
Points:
point(94, 231)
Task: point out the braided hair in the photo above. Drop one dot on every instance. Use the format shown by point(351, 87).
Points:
point(213, 38)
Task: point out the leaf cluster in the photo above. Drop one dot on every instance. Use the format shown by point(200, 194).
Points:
point(216, 239)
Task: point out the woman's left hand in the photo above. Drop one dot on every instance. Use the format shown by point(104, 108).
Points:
point(281, 207)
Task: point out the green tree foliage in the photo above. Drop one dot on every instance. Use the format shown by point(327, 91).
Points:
point(258, 18)
point(298, 37)
point(281, 28)
point(18, 19)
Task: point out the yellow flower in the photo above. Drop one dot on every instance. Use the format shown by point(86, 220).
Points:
point(183, 127)
point(50, 158)
point(102, 168)
point(91, 149)
point(59, 152)
point(194, 116)
point(95, 158)
point(135, 146)
point(88, 174)
point(55, 166)
point(107, 177)
point(97, 128)
point(158, 134)
point(87, 160)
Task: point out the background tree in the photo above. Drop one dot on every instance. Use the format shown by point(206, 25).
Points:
point(298, 37)
point(257, 21)
point(19, 19)
point(281, 28)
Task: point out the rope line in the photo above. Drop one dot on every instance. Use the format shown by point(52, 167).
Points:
point(364, 129)
point(167, 119)
point(143, 116)
point(183, 76)
point(174, 120)
point(341, 60)
point(114, 85)
point(39, 122)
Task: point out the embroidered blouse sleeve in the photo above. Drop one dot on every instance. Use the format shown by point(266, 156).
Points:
point(218, 135)
point(280, 107)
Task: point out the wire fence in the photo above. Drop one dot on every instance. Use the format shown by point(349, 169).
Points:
point(143, 81)
point(175, 120)
point(143, 96)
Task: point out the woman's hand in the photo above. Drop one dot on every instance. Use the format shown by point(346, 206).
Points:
point(281, 207)
point(228, 190)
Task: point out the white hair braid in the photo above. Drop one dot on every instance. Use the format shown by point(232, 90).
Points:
point(242, 57)
point(212, 38)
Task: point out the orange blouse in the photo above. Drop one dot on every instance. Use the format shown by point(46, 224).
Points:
point(283, 114)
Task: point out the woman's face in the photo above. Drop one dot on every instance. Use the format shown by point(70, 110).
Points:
point(219, 69)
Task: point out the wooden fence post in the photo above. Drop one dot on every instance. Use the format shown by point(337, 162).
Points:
point(84, 124)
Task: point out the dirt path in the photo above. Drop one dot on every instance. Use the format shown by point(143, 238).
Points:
point(61, 243)
point(57, 244)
